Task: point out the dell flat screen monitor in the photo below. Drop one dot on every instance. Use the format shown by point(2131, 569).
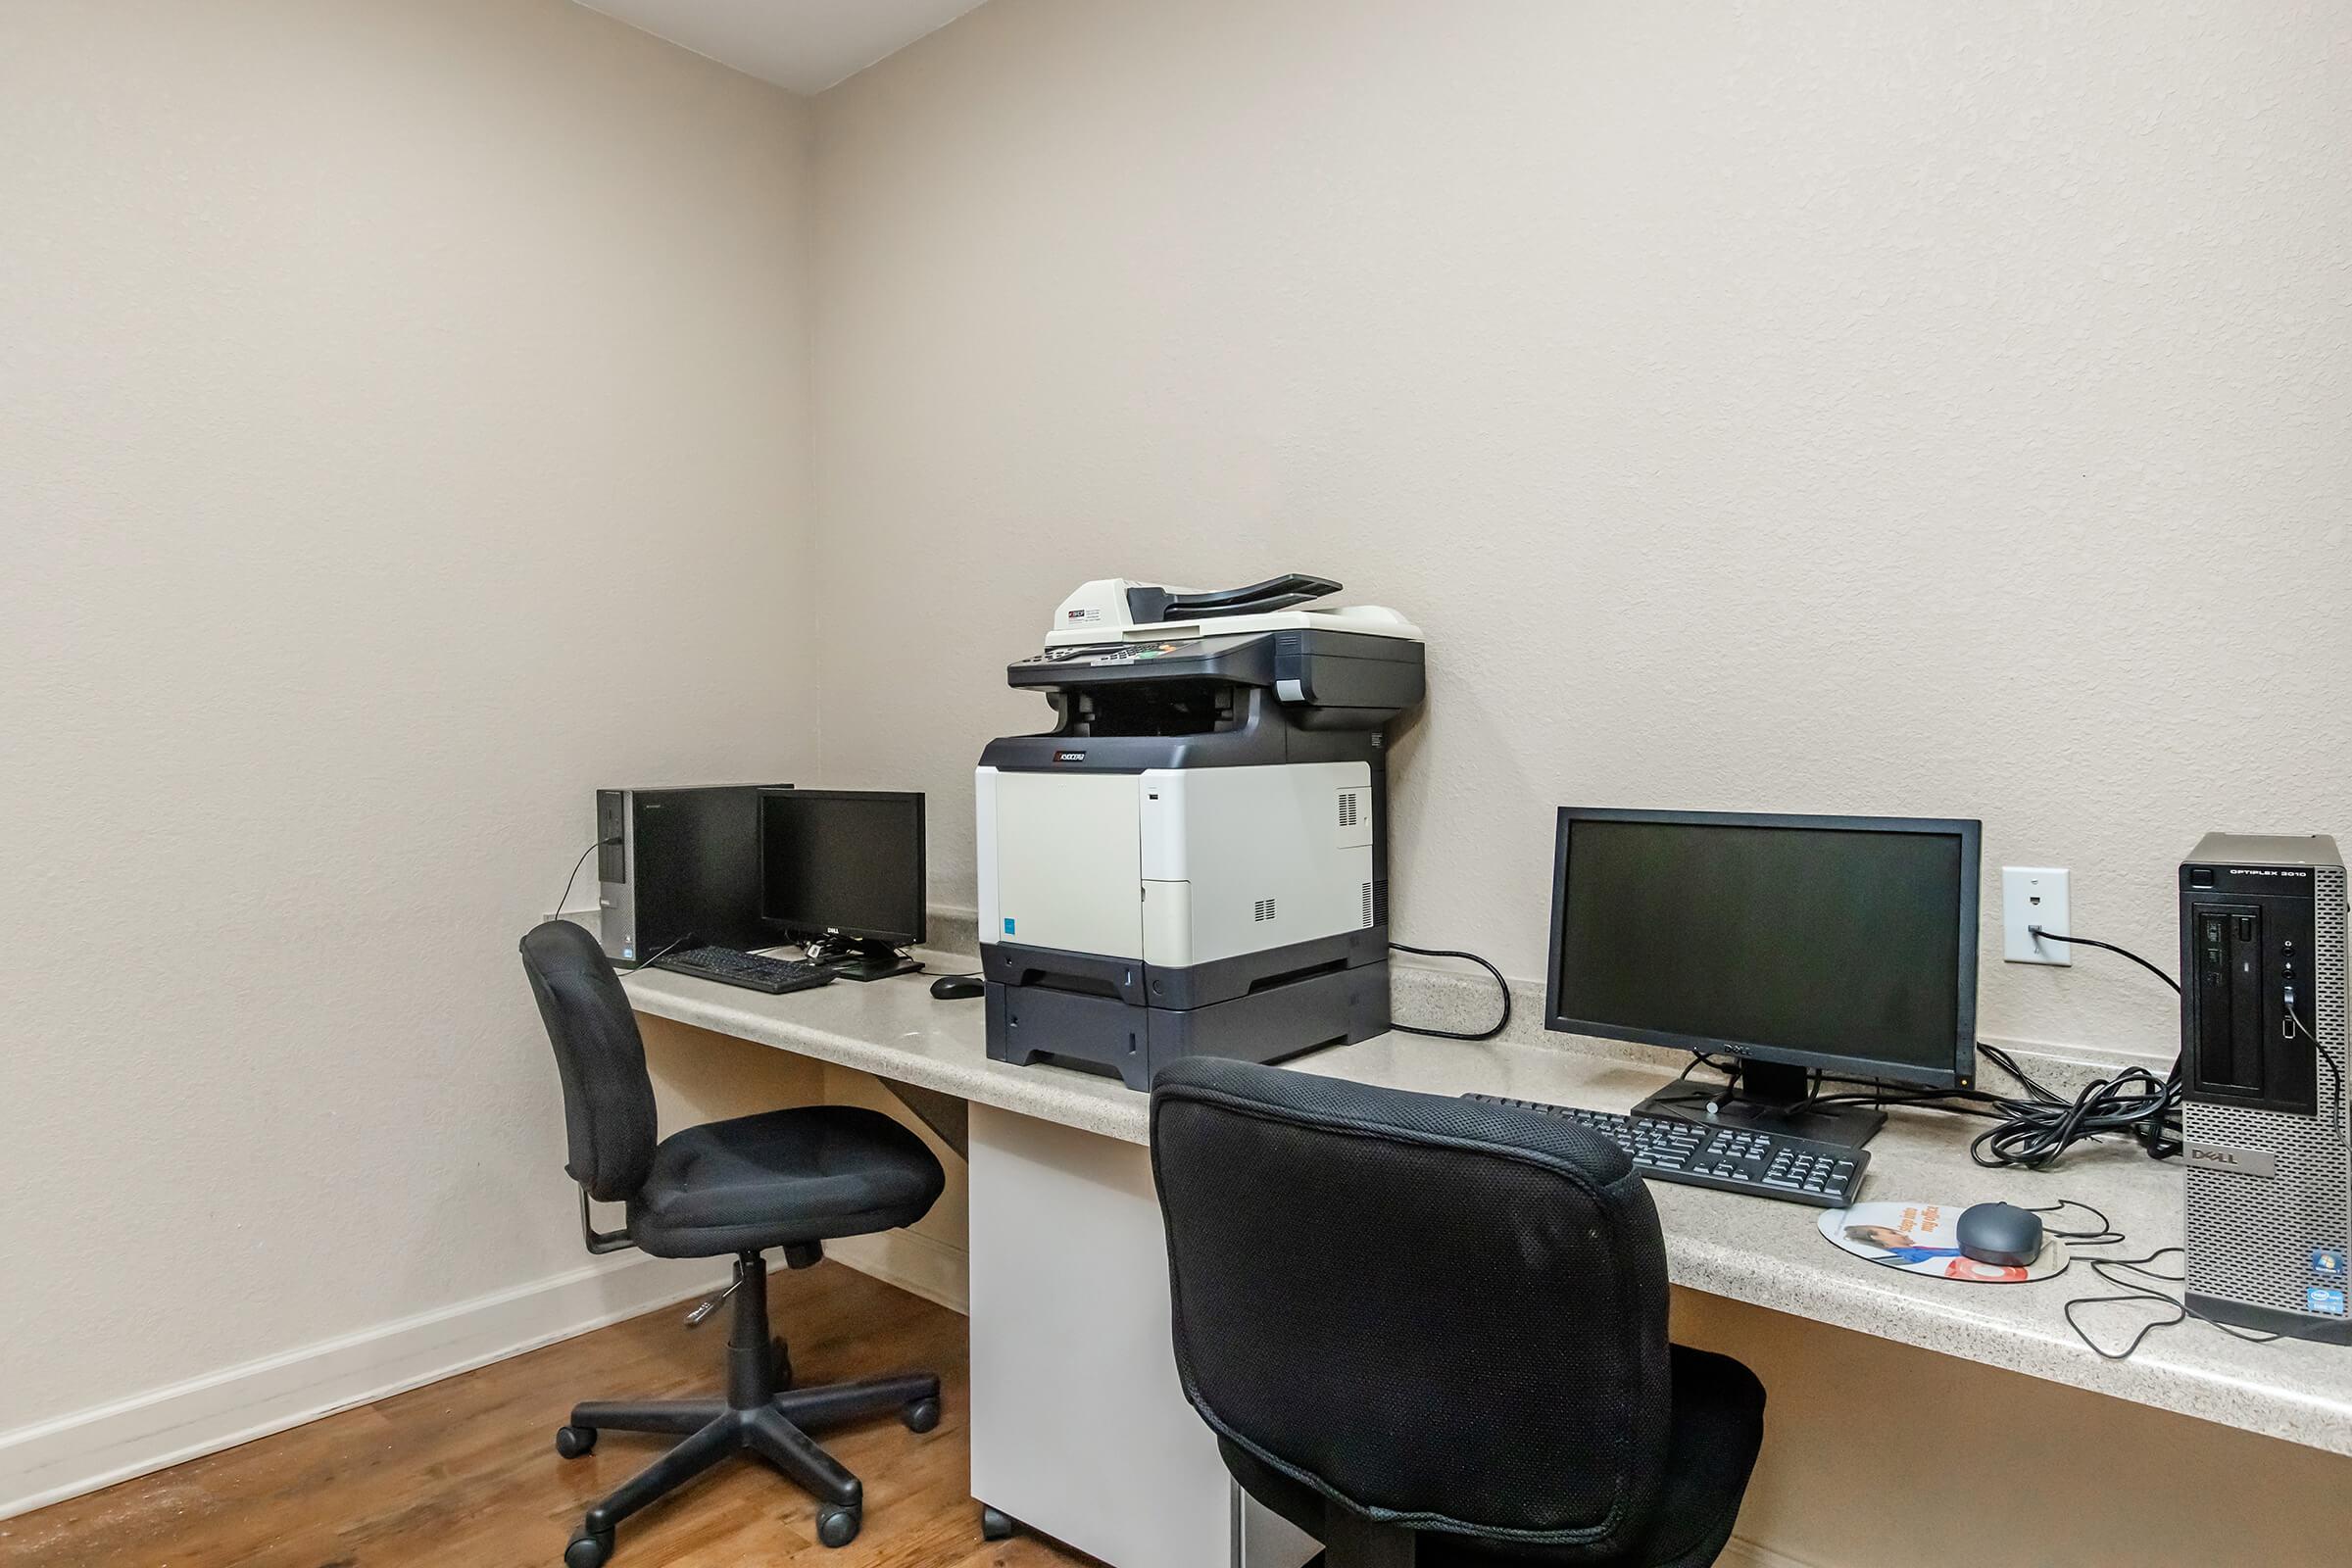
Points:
point(845, 865)
point(1782, 944)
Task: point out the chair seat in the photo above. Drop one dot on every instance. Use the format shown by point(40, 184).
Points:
point(780, 1179)
point(1718, 1429)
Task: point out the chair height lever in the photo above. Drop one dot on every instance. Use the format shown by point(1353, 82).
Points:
point(712, 1304)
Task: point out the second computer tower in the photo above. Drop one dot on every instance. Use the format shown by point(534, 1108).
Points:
point(2261, 1042)
point(678, 867)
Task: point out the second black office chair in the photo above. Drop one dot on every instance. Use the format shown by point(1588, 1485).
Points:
point(1428, 1331)
point(788, 1179)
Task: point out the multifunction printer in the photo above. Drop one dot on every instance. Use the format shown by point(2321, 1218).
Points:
point(1195, 858)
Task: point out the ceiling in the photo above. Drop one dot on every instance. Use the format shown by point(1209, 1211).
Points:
point(806, 45)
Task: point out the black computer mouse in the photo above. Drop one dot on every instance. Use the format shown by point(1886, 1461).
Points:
point(949, 987)
point(1999, 1233)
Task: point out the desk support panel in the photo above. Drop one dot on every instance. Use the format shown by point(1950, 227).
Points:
point(1080, 1428)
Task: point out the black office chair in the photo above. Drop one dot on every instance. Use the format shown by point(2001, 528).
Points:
point(784, 1179)
point(1428, 1331)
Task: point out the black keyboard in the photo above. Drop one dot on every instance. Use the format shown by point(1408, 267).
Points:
point(750, 971)
point(1730, 1160)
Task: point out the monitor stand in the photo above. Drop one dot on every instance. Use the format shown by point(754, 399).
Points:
point(1767, 1100)
point(861, 959)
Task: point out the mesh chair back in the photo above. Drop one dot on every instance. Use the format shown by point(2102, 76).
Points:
point(1435, 1312)
point(607, 1097)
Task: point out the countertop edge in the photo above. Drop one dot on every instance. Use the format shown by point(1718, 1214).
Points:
point(1907, 1316)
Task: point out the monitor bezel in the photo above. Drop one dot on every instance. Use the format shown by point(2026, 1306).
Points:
point(923, 870)
point(1969, 831)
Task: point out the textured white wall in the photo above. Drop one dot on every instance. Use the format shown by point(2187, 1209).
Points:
point(400, 434)
point(1882, 409)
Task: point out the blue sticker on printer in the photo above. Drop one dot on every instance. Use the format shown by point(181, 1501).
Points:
point(2326, 1300)
point(2328, 1261)
point(1008, 926)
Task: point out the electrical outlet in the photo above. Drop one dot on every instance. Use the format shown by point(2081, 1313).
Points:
point(2034, 895)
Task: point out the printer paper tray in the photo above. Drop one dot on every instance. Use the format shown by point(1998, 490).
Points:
point(1031, 1023)
point(1198, 985)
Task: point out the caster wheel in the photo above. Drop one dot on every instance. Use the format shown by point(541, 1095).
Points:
point(838, 1527)
point(994, 1526)
point(588, 1551)
point(921, 1416)
point(573, 1442)
point(779, 1362)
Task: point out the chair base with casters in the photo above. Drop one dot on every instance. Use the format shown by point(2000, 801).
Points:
point(761, 1414)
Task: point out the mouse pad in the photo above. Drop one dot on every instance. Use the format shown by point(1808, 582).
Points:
point(1918, 1239)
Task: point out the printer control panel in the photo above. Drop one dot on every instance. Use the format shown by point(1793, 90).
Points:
point(1112, 654)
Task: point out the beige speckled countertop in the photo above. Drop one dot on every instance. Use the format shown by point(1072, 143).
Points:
point(1749, 1249)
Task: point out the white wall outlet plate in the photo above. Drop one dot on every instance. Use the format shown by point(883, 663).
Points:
point(2034, 895)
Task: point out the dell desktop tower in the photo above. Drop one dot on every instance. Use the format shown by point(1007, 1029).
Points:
point(678, 868)
point(2262, 1049)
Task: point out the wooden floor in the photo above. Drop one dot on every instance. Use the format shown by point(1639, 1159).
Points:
point(465, 1471)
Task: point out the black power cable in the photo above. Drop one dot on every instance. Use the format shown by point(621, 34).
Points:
point(2039, 935)
point(2106, 1235)
point(2157, 1133)
point(2140, 1290)
point(650, 959)
point(1706, 1058)
point(564, 897)
point(2037, 1128)
point(2294, 1020)
point(1503, 985)
point(2326, 1056)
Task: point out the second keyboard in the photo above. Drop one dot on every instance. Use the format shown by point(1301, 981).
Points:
point(750, 970)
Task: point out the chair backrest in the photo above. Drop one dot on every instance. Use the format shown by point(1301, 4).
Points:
point(1436, 1313)
point(607, 1097)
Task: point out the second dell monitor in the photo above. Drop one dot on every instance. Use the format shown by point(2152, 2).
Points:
point(1783, 945)
point(843, 869)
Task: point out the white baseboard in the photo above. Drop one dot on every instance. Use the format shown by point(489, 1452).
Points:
point(920, 1266)
point(1742, 1552)
point(70, 1454)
